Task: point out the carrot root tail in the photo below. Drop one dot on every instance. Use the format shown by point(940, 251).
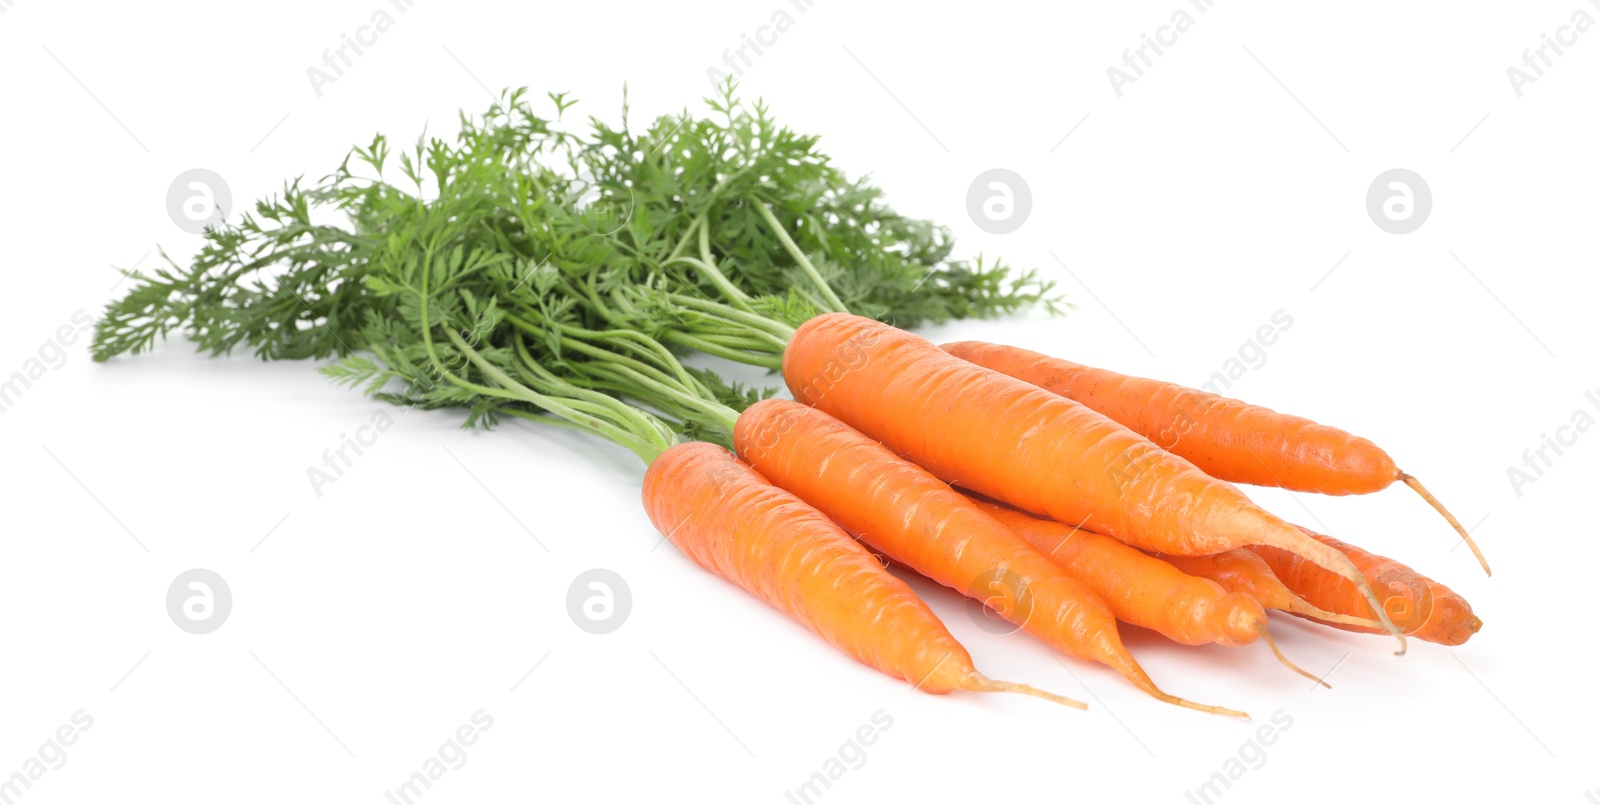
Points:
point(1416, 485)
point(1334, 560)
point(1204, 708)
point(1302, 607)
point(1146, 684)
point(983, 684)
point(1272, 644)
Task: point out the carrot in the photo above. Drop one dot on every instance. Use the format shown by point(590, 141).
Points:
point(1146, 591)
point(1227, 439)
point(902, 511)
point(1243, 571)
point(736, 524)
point(1424, 608)
point(1024, 446)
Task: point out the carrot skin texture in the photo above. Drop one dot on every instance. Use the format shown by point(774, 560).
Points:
point(1238, 570)
point(917, 520)
point(1422, 607)
point(1141, 589)
point(731, 521)
point(1021, 445)
point(902, 511)
point(1227, 439)
point(1243, 571)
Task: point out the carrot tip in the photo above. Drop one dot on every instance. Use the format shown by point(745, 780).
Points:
point(1411, 481)
point(1295, 668)
point(1204, 708)
point(983, 684)
point(1148, 685)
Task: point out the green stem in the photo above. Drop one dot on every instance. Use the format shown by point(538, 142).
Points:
point(569, 338)
point(633, 383)
point(734, 295)
point(763, 358)
point(766, 361)
point(753, 342)
point(698, 223)
point(800, 258)
point(646, 441)
point(778, 330)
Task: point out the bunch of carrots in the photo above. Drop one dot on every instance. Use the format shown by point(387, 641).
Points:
point(1034, 485)
point(1065, 498)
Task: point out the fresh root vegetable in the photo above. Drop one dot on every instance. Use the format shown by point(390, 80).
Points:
point(1424, 608)
point(902, 511)
point(1144, 590)
point(734, 523)
point(475, 280)
point(1243, 571)
point(1227, 439)
point(1021, 445)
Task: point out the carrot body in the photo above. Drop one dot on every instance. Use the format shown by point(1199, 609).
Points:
point(1243, 571)
point(1141, 589)
point(736, 524)
point(1024, 446)
point(902, 511)
point(1227, 439)
point(1422, 607)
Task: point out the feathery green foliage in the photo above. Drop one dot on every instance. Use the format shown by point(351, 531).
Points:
point(527, 270)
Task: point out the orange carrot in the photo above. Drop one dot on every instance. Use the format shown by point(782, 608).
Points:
point(1141, 589)
point(736, 524)
point(1424, 608)
point(1243, 571)
point(1024, 446)
point(1227, 439)
point(917, 520)
point(1146, 591)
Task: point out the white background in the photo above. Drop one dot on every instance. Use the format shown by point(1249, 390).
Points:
point(1221, 187)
